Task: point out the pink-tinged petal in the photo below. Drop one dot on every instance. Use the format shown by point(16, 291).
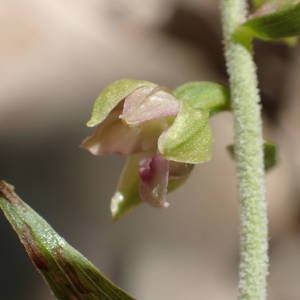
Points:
point(154, 173)
point(148, 103)
point(113, 137)
point(113, 95)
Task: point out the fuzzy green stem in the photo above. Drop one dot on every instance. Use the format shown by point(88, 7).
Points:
point(249, 154)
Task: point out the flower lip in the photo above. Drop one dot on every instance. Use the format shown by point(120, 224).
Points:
point(154, 174)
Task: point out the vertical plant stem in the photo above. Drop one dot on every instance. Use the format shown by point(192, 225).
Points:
point(249, 154)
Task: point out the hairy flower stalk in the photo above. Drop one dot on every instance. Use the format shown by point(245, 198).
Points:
point(249, 154)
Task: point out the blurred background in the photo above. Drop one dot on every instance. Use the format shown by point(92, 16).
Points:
point(55, 58)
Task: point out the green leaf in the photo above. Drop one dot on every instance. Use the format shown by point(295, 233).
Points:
point(69, 274)
point(204, 95)
point(273, 5)
point(282, 23)
point(188, 139)
point(270, 155)
point(127, 192)
point(111, 96)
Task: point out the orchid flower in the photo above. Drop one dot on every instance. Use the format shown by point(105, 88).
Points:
point(163, 137)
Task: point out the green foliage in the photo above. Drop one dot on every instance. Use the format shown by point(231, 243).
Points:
point(270, 154)
point(188, 139)
point(272, 5)
point(68, 273)
point(283, 23)
point(204, 95)
point(257, 3)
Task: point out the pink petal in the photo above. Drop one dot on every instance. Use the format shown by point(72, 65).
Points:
point(148, 103)
point(113, 137)
point(154, 173)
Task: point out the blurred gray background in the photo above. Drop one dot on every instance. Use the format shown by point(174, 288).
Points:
point(55, 58)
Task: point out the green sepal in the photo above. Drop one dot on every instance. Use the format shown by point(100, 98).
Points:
point(204, 95)
point(111, 96)
point(68, 273)
point(188, 139)
point(283, 23)
point(270, 154)
point(127, 192)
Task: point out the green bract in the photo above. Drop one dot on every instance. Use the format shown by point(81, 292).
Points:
point(204, 95)
point(283, 23)
point(69, 274)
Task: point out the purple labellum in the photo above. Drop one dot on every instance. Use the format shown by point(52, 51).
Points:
point(154, 173)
